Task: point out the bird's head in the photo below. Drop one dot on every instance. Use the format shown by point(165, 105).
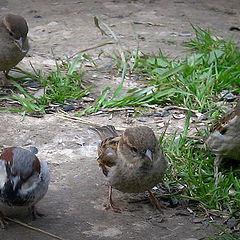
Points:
point(17, 28)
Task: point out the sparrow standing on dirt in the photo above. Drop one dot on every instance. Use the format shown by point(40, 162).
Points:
point(13, 42)
point(224, 140)
point(24, 180)
point(133, 162)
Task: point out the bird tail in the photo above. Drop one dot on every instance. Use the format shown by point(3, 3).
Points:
point(105, 132)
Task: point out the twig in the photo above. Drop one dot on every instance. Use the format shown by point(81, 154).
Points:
point(63, 115)
point(76, 119)
point(93, 47)
point(179, 108)
point(34, 229)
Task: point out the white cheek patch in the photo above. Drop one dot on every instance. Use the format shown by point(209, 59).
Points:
point(3, 173)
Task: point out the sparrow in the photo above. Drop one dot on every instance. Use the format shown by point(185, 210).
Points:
point(13, 44)
point(224, 139)
point(132, 162)
point(24, 180)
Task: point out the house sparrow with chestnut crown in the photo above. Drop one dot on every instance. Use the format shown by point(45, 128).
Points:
point(13, 42)
point(133, 162)
point(24, 180)
point(224, 139)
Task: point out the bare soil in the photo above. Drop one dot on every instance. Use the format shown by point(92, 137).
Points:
point(74, 204)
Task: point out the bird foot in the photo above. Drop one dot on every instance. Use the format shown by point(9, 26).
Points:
point(155, 202)
point(36, 213)
point(3, 80)
point(111, 206)
point(3, 222)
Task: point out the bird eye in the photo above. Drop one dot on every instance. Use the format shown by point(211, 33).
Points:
point(134, 149)
point(11, 34)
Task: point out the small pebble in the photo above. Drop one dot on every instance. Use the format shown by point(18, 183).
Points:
point(161, 114)
point(37, 16)
point(225, 94)
point(68, 108)
point(142, 119)
point(232, 222)
point(185, 34)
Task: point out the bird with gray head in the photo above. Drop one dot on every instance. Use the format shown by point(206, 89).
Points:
point(13, 42)
point(24, 180)
point(132, 162)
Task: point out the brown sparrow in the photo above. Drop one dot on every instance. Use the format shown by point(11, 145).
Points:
point(13, 43)
point(133, 162)
point(224, 139)
point(24, 180)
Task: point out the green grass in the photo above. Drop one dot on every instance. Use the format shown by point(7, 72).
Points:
point(211, 65)
point(192, 168)
point(224, 235)
point(64, 83)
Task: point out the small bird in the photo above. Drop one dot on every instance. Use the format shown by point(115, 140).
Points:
point(24, 180)
point(224, 139)
point(13, 44)
point(133, 162)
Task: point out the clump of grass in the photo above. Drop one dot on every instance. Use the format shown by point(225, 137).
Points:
point(223, 235)
point(192, 168)
point(64, 83)
point(58, 86)
point(213, 65)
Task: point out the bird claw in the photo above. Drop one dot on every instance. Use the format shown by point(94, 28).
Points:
point(115, 209)
point(3, 222)
point(36, 213)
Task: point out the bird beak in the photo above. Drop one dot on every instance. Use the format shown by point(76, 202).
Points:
point(16, 182)
point(149, 154)
point(19, 43)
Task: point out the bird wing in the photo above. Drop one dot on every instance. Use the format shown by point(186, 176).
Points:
point(107, 149)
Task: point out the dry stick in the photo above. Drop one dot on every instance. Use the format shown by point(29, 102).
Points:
point(93, 47)
point(33, 228)
point(79, 120)
point(75, 119)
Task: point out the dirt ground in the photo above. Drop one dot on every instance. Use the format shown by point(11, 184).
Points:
point(74, 204)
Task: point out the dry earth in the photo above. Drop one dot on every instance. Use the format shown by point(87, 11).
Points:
point(74, 204)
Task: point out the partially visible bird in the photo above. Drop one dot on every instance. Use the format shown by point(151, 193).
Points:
point(133, 162)
point(13, 42)
point(24, 180)
point(224, 139)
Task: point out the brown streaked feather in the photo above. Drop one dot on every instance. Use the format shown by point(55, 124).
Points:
point(107, 155)
point(107, 149)
point(221, 124)
point(105, 132)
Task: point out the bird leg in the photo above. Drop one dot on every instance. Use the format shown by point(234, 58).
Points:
point(35, 213)
point(3, 79)
point(111, 206)
point(3, 222)
point(217, 162)
point(155, 202)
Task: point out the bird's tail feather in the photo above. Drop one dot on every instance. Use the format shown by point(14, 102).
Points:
point(105, 132)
